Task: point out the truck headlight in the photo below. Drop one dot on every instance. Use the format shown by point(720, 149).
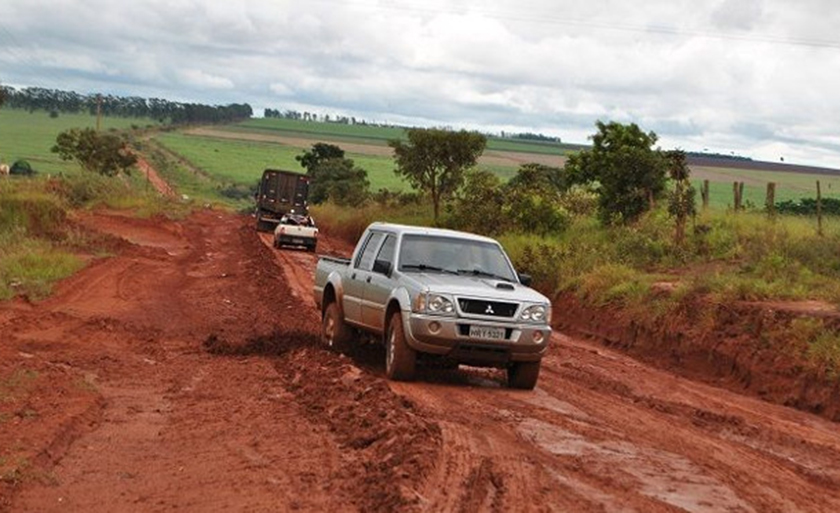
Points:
point(535, 313)
point(438, 304)
point(434, 304)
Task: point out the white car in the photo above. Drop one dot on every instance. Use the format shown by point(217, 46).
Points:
point(296, 230)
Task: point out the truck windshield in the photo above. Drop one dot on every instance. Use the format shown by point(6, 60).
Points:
point(424, 253)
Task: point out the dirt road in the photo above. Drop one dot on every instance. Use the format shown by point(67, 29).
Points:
point(184, 373)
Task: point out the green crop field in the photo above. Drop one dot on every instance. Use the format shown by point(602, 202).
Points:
point(29, 136)
point(376, 135)
point(242, 161)
point(789, 186)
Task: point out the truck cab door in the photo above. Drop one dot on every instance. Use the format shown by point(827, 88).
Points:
point(378, 285)
point(357, 274)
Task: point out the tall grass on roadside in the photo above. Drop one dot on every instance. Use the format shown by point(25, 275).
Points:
point(348, 224)
point(30, 220)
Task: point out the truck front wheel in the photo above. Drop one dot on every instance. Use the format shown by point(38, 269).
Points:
point(400, 359)
point(335, 333)
point(523, 375)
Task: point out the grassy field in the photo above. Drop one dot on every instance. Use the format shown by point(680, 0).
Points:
point(29, 136)
point(789, 186)
point(380, 135)
point(242, 161)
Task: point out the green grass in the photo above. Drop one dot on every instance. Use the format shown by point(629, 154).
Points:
point(30, 136)
point(375, 135)
point(243, 162)
point(789, 186)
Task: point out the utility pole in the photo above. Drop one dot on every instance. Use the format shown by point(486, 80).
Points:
point(98, 110)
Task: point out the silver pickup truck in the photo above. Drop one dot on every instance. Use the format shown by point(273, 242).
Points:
point(433, 293)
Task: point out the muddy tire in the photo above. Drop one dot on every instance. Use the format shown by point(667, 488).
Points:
point(523, 375)
point(276, 243)
point(400, 359)
point(335, 333)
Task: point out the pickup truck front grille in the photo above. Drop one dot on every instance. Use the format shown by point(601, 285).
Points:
point(489, 308)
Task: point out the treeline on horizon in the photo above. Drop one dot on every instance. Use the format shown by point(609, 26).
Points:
point(56, 101)
point(352, 120)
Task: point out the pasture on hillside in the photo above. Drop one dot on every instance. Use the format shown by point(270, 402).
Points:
point(240, 152)
point(379, 135)
point(30, 136)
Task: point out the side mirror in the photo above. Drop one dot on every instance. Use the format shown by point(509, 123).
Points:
point(525, 279)
point(382, 267)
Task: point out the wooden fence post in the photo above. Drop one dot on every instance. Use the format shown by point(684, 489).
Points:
point(741, 195)
point(704, 193)
point(736, 201)
point(770, 200)
point(819, 210)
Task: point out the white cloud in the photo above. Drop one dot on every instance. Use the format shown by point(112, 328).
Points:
point(198, 78)
point(732, 75)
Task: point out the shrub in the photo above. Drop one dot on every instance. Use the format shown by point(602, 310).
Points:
point(21, 167)
point(478, 206)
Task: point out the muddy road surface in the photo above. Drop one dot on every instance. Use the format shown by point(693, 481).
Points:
point(184, 373)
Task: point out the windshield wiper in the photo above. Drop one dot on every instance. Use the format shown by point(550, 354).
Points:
point(424, 267)
point(479, 272)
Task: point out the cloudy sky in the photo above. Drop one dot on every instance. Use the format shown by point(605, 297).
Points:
point(760, 78)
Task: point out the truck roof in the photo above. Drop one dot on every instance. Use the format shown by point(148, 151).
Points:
point(425, 230)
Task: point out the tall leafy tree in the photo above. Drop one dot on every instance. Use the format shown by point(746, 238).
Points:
point(340, 181)
point(319, 153)
point(631, 173)
point(435, 160)
point(106, 154)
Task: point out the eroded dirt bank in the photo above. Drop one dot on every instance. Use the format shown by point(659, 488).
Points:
point(746, 347)
point(184, 374)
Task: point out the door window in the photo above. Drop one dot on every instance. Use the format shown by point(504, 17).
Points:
point(365, 259)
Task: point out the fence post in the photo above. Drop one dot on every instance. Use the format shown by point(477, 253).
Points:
point(736, 201)
point(704, 193)
point(741, 195)
point(819, 210)
point(770, 200)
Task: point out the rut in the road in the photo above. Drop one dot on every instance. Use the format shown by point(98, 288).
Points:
point(391, 444)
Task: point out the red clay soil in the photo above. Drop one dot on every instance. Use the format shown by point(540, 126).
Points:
point(741, 349)
point(184, 373)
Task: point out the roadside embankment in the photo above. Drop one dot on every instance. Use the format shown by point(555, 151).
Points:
point(774, 350)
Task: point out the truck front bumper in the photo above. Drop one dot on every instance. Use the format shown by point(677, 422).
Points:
point(451, 337)
point(291, 240)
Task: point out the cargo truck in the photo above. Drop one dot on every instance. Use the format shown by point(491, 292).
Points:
point(280, 193)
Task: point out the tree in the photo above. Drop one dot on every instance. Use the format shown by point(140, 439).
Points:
point(478, 206)
point(532, 200)
point(630, 172)
point(106, 154)
point(434, 160)
point(340, 181)
point(319, 153)
point(681, 201)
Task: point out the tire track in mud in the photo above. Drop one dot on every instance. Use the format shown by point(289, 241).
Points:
point(390, 445)
point(603, 432)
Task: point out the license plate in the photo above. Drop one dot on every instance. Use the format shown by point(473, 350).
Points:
point(487, 333)
point(297, 241)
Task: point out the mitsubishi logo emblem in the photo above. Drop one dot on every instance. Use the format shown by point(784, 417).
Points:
point(489, 310)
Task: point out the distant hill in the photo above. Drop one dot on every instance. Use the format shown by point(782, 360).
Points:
point(695, 159)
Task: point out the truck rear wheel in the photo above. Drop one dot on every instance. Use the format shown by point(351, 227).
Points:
point(400, 359)
point(523, 375)
point(335, 333)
